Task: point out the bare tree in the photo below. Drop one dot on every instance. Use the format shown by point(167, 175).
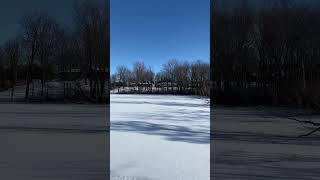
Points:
point(70, 55)
point(90, 27)
point(47, 40)
point(175, 77)
point(168, 69)
point(30, 34)
point(138, 71)
point(12, 51)
point(266, 57)
point(2, 69)
point(123, 74)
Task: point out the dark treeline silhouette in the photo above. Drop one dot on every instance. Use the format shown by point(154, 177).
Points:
point(48, 61)
point(269, 57)
point(175, 77)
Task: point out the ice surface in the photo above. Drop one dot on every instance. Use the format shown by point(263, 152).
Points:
point(53, 141)
point(252, 143)
point(157, 137)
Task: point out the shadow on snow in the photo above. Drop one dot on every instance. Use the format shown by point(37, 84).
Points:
point(170, 132)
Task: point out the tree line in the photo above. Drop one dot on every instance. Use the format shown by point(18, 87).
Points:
point(51, 60)
point(175, 77)
point(270, 56)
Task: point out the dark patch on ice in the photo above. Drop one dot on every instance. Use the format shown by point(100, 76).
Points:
point(172, 116)
point(162, 103)
point(170, 132)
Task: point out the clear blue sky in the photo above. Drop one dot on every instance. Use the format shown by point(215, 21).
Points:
point(155, 31)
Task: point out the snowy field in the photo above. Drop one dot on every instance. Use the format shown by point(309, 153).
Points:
point(53, 142)
point(157, 137)
point(253, 143)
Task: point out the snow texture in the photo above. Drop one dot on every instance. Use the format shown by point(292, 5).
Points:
point(53, 141)
point(251, 143)
point(159, 137)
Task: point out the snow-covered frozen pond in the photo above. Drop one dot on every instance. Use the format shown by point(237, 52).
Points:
point(253, 143)
point(53, 141)
point(157, 137)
